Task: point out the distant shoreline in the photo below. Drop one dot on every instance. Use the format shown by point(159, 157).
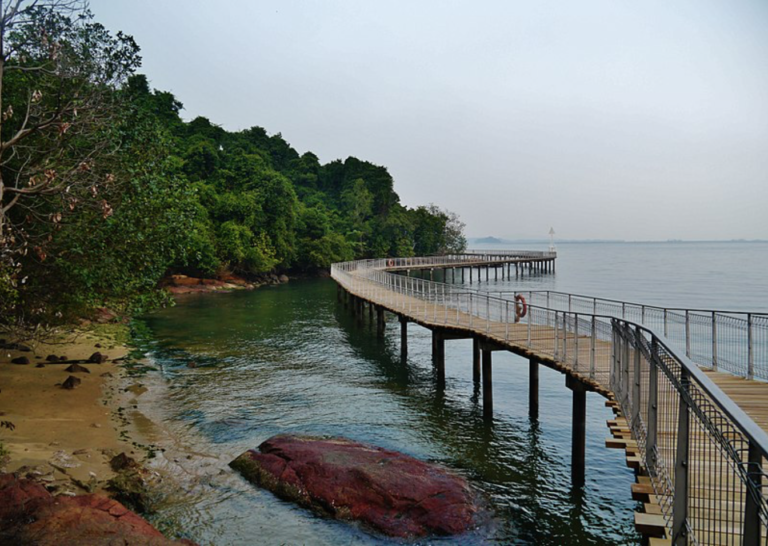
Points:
point(485, 241)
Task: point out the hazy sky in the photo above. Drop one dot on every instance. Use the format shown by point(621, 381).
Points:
point(604, 119)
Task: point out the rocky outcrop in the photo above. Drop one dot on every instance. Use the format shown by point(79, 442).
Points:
point(31, 515)
point(182, 284)
point(390, 492)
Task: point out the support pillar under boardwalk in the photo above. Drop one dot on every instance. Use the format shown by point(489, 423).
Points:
point(578, 430)
point(438, 353)
point(476, 360)
point(487, 384)
point(486, 349)
point(533, 389)
point(403, 336)
point(380, 324)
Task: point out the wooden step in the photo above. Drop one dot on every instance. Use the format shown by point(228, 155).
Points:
point(652, 508)
point(652, 525)
point(634, 462)
point(655, 541)
point(641, 491)
point(619, 443)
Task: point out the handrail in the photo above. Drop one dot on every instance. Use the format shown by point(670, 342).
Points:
point(685, 425)
point(626, 302)
point(734, 341)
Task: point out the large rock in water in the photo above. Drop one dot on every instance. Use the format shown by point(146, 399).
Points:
point(391, 492)
point(30, 515)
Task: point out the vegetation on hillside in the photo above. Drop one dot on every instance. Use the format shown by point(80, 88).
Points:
point(104, 189)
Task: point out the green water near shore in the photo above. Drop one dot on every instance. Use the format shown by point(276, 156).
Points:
point(290, 359)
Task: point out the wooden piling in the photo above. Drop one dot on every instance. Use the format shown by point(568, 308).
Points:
point(380, 324)
point(487, 384)
point(578, 431)
point(533, 389)
point(438, 353)
point(403, 336)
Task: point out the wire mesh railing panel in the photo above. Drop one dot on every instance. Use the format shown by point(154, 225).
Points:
point(736, 342)
point(706, 468)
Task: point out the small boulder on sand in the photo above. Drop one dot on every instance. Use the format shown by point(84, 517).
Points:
point(71, 382)
point(97, 358)
point(77, 368)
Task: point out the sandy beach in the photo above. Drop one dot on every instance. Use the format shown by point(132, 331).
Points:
point(66, 437)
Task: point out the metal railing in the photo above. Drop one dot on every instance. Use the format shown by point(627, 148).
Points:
point(705, 456)
point(470, 257)
point(732, 341)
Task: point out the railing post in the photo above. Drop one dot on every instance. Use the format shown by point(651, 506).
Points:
point(487, 314)
point(754, 488)
point(445, 307)
point(565, 338)
point(666, 329)
point(636, 380)
point(750, 349)
point(592, 344)
point(614, 355)
point(576, 341)
point(687, 333)
point(556, 334)
point(530, 313)
point(680, 502)
point(714, 340)
point(653, 401)
point(506, 322)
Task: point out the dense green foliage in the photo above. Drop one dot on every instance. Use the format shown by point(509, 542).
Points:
point(122, 191)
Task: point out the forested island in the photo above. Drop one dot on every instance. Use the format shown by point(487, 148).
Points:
point(105, 189)
point(106, 195)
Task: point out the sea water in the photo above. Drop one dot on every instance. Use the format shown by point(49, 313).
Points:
point(290, 359)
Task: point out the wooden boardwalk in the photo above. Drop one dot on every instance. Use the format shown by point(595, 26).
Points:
point(584, 350)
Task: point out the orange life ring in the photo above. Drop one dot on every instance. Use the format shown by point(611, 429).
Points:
point(521, 307)
point(390, 263)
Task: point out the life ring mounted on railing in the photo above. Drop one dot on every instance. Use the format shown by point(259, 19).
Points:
point(390, 263)
point(521, 307)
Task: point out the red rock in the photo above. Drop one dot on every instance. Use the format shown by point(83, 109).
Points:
point(233, 279)
point(391, 492)
point(183, 280)
point(30, 515)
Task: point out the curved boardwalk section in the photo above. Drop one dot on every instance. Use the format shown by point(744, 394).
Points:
point(694, 434)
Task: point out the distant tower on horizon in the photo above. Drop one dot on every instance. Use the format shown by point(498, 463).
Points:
point(552, 240)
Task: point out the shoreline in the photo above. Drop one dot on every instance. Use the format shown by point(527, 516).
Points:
point(67, 437)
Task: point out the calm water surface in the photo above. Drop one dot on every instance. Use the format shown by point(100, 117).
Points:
point(289, 359)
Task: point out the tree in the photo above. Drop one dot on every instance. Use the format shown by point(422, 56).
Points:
point(59, 72)
point(454, 241)
point(437, 231)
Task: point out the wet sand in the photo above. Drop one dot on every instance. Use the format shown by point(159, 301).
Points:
point(66, 436)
